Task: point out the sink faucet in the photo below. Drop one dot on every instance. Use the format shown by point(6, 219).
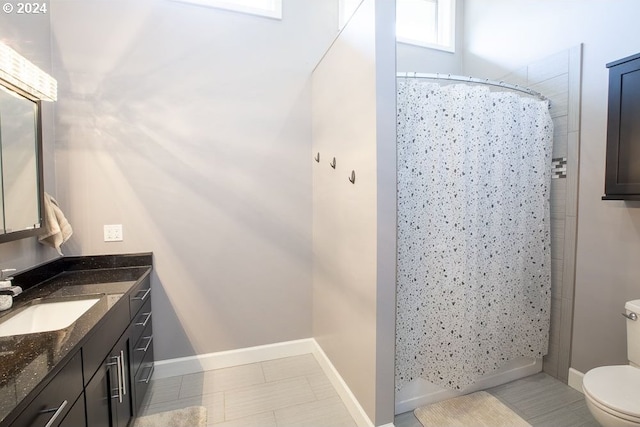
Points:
point(12, 291)
point(5, 274)
point(7, 291)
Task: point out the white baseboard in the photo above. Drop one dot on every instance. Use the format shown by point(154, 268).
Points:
point(225, 359)
point(350, 401)
point(575, 379)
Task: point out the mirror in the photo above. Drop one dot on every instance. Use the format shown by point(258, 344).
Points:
point(21, 178)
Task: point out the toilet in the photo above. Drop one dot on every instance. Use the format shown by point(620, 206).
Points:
point(612, 393)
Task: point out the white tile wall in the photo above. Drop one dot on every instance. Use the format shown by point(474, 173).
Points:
point(558, 78)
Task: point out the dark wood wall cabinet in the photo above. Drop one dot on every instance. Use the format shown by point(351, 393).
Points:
point(622, 177)
point(103, 381)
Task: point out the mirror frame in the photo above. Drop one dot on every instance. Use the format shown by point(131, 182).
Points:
point(21, 234)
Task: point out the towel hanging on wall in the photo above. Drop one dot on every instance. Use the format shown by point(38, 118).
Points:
point(57, 229)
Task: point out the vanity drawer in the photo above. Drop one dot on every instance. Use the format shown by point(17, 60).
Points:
point(76, 416)
point(139, 296)
point(141, 321)
point(142, 347)
point(56, 400)
point(142, 379)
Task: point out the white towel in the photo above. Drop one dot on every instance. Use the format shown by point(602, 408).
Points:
point(57, 229)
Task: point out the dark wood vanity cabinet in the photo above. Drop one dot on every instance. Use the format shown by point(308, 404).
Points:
point(113, 394)
point(104, 382)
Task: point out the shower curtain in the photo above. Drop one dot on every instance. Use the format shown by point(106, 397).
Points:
point(474, 280)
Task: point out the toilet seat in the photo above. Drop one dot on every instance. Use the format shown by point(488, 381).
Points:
point(615, 389)
point(591, 401)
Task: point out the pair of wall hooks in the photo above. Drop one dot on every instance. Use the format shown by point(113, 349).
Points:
point(352, 178)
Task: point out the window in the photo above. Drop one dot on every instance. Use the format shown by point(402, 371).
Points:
point(347, 8)
point(429, 23)
point(268, 8)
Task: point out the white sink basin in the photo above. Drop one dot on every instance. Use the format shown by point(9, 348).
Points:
point(46, 316)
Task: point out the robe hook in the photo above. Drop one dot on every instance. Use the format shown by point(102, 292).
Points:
point(352, 178)
point(317, 157)
point(333, 163)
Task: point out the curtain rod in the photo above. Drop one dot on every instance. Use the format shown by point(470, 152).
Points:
point(490, 82)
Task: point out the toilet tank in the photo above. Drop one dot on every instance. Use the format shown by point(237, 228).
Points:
point(633, 332)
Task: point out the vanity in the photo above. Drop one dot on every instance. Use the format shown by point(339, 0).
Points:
point(76, 348)
point(95, 371)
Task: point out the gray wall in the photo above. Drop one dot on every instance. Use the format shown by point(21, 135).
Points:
point(354, 224)
point(29, 35)
point(191, 127)
point(503, 35)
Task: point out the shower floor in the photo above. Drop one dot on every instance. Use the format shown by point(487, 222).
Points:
point(539, 399)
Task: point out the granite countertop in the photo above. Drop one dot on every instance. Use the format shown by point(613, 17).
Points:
point(26, 360)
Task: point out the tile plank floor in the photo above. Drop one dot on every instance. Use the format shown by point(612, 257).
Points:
point(287, 392)
point(294, 392)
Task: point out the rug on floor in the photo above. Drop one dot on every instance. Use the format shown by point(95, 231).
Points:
point(194, 416)
point(478, 409)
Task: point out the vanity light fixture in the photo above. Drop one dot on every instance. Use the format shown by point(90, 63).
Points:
point(18, 71)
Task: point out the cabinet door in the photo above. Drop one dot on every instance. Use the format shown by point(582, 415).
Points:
point(108, 393)
point(98, 397)
point(622, 178)
point(120, 383)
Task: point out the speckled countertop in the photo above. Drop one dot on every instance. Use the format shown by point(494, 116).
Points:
point(26, 360)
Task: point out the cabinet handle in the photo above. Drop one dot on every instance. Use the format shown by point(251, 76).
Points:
point(57, 413)
point(146, 380)
point(145, 320)
point(124, 378)
point(142, 298)
point(146, 347)
point(117, 363)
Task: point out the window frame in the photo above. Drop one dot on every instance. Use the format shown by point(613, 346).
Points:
point(231, 5)
point(346, 9)
point(444, 14)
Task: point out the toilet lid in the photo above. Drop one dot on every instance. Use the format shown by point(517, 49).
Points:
point(616, 387)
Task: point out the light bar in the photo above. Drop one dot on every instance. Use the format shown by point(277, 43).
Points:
point(18, 71)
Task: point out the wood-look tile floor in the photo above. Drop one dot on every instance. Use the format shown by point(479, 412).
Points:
point(288, 392)
point(540, 399)
point(294, 392)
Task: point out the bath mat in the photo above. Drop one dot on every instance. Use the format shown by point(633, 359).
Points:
point(478, 409)
point(194, 416)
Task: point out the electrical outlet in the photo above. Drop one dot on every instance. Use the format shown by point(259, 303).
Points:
point(113, 233)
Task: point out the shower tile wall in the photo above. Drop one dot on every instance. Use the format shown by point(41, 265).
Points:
point(558, 78)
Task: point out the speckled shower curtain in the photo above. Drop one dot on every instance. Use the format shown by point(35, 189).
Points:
point(474, 281)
